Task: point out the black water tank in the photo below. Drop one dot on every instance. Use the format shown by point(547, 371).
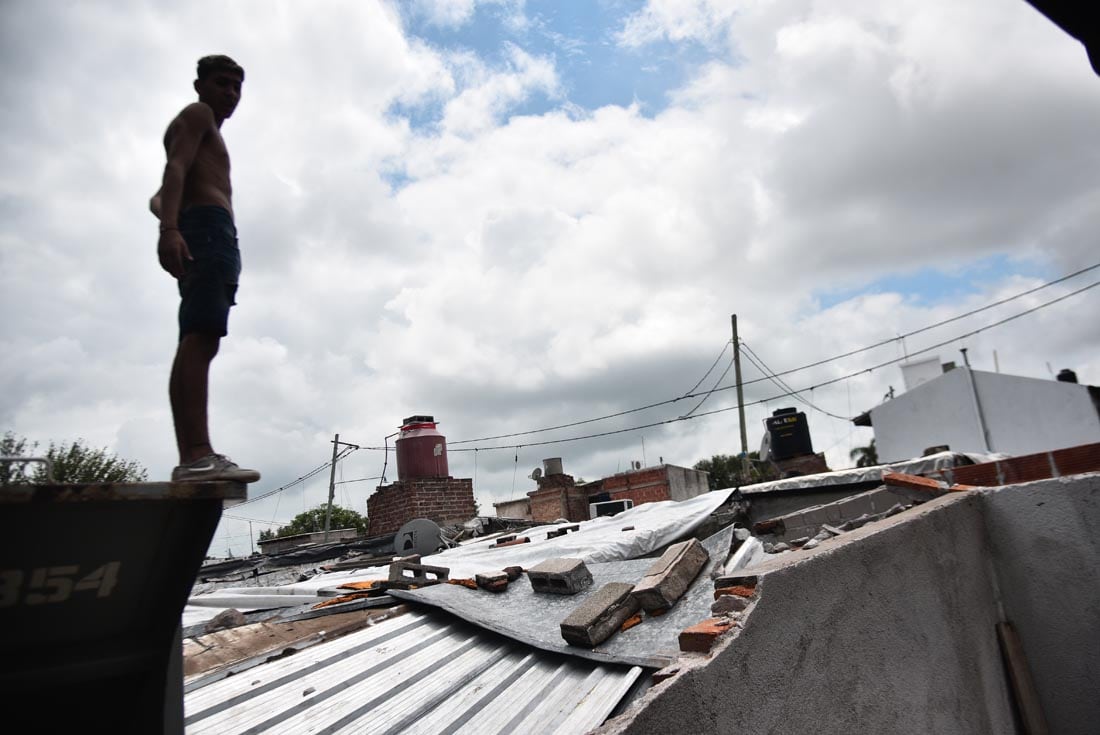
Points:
point(1067, 376)
point(790, 434)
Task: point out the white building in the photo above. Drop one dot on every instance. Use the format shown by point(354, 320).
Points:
point(975, 411)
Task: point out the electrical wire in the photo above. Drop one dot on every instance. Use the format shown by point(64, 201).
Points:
point(710, 392)
point(759, 364)
point(832, 381)
point(774, 375)
point(790, 371)
point(315, 471)
point(711, 368)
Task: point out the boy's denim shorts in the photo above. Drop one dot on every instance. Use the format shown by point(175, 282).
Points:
point(209, 283)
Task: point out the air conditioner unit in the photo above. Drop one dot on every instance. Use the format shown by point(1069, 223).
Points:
point(609, 508)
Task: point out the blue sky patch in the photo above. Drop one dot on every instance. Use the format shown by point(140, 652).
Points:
point(929, 286)
point(594, 70)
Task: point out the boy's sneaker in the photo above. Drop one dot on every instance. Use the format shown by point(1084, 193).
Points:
point(211, 468)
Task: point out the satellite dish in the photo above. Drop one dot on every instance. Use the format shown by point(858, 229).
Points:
point(637, 465)
point(535, 474)
point(418, 536)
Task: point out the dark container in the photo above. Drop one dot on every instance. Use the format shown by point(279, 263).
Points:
point(1066, 375)
point(96, 578)
point(790, 434)
point(421, 450)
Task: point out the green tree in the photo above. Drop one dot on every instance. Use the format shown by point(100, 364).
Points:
point(725, 470)
point(865, 456)
point(314, 520)
point(71, 463)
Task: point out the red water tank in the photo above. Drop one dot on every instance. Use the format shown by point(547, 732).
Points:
point(421, 450)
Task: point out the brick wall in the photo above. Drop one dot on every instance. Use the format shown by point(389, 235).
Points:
point(641, 495)
point(445, 500)
point(1027, 468)
point(641, 486)
point(548, 504)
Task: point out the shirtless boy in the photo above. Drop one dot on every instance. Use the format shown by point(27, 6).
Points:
point(198, 247)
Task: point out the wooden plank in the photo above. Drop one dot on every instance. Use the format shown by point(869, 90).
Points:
point(1023, 686)
point(216, 655)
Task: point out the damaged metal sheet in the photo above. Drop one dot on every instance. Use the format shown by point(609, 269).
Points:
point(535, 619)
point(415, 673)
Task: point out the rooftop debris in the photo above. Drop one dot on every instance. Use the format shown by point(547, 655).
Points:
point(600, 616)
point(562, 576)
point(562, 530)
point(670, 576)
point(511, 542)
point(492, 581)
point(701, 637)
point(403, 573)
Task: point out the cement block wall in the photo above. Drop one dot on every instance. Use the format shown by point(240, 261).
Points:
point(891, 628)
point(808, 521)
point(772, 504)
point(1046, 549)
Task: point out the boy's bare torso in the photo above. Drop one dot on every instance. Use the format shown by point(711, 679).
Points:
point(207, 180)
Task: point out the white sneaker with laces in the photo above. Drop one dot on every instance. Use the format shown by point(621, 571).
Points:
point(211, 468)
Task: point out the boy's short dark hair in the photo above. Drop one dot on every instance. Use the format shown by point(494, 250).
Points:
point(218, 62)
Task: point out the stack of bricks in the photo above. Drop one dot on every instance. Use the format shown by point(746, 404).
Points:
point(643, 486)
point(445, 500)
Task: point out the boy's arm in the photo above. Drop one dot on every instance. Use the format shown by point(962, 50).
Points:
point(184, 137)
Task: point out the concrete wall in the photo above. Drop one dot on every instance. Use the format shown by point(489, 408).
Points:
point(1026, 415)
point(762, 506)
point(277, 545)
point(891, 628)
point(685, 482)
point(1023, 415)
point(514, 508)
point(1045, 544)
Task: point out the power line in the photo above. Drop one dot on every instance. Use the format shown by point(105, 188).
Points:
point(710, 392)
point(758, 362)
point(315, 471)
point(790, 371)
point(809, 388)
point(772, 377)
point(711, 368)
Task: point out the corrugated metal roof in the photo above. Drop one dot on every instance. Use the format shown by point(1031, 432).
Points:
point(416, 673)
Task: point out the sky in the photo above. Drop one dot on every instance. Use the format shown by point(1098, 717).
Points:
point(515, 216)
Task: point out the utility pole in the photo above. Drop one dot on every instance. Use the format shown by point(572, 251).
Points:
point(331, 486)
point(251, 542)
point(740, 402)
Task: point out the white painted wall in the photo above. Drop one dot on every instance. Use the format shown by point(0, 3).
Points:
point(1022, 415)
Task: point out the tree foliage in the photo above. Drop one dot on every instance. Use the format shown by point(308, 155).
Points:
point(71, 463)
point(865, 456)
point(314, 520)
point(725, 470)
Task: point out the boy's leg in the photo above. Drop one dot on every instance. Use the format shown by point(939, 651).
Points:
point(188, 392)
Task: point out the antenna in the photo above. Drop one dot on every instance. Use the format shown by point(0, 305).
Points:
point(535, 474)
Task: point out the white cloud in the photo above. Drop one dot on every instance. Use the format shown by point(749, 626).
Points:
point(509, 271)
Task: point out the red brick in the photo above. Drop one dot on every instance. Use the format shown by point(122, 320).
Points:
point(630, 622)
point(523, 540)
point(739, 590)
point(700, 638)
